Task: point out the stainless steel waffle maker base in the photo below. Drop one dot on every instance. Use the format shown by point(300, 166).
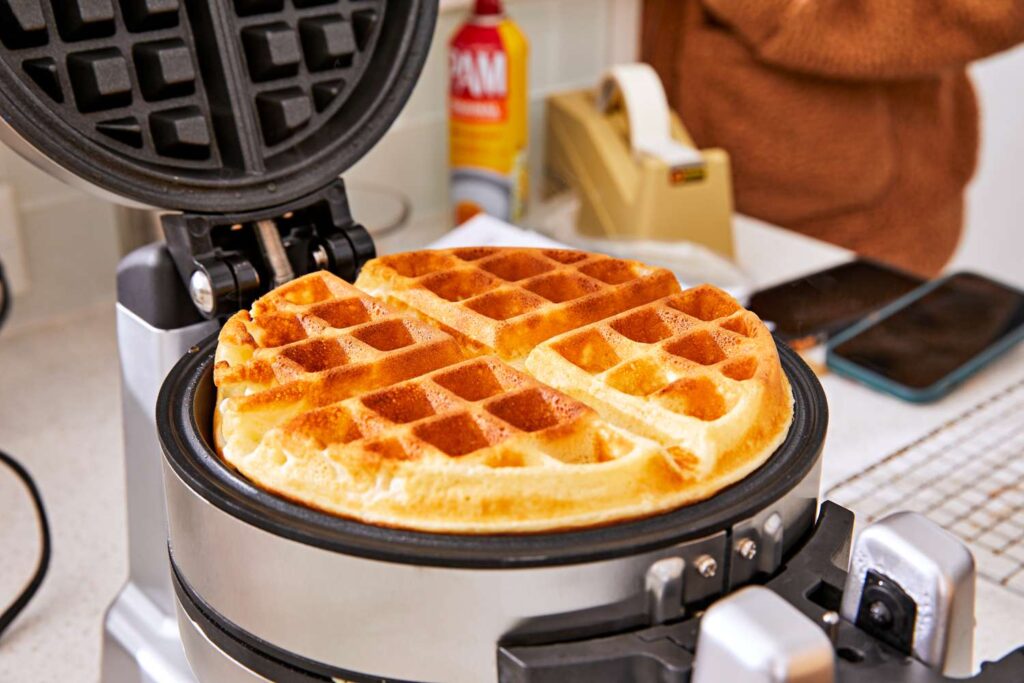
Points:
point(357, 602)
point(237, 119)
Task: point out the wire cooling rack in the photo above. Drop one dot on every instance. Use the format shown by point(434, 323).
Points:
point(967, 475)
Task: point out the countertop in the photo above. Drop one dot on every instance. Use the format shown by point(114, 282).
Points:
point(60, 415)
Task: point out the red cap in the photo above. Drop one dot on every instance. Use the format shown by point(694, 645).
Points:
point(488, 7)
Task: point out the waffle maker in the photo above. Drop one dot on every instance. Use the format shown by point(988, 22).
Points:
point(237, 118)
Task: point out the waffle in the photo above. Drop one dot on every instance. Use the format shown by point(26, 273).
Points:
point(310, 343)
point(568, 415)
point(506, 301)
point(692, 370)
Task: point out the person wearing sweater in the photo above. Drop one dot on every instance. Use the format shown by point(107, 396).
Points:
point(851, 121)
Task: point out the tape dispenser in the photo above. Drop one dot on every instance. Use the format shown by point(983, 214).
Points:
point(636, 171)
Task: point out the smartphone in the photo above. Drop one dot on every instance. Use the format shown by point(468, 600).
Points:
point(920, 347)
point(820, 305)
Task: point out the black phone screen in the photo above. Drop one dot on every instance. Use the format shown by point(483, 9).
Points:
point(824, 303)
point(934, 335)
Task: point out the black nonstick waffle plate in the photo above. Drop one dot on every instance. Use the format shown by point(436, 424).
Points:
point(208, 105)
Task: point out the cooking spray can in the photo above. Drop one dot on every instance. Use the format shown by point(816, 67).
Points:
point(487, 115)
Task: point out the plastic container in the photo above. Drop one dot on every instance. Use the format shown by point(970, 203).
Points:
point(488, 128)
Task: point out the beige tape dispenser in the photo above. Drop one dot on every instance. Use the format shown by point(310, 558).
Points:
point(636, 171)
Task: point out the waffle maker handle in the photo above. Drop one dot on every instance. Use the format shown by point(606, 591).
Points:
point(799, 608)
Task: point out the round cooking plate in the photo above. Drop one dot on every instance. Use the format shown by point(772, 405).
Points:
point(184, 417)
point(219, 107)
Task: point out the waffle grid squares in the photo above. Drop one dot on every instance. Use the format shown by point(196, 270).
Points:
point(508, 283)
point(456, 410)
point(678, 351)
point(320, 325)
point(506, 289)
point(561, 287)
point(121, 67)
point(505, 304)
point(137, 75)
point(450, 412)
point(444, 415)
point(393, 415)
point(516, 266)
point(363, 342)
point(614, 348)
point(460, 285)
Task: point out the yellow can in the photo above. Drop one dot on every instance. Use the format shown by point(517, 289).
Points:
point(488, 126)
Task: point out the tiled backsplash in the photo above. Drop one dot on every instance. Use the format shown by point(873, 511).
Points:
point(70, 240)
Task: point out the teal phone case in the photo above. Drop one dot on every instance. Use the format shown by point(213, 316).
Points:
point(940, 388)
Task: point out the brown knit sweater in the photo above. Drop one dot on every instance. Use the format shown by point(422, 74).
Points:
point(852, 121)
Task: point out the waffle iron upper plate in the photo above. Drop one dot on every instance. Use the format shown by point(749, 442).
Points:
point(213, 106)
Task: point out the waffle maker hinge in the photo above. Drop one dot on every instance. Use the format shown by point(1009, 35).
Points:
point(228, 260)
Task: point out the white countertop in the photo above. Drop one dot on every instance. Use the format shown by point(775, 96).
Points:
point(865, 425)
point(60, 415)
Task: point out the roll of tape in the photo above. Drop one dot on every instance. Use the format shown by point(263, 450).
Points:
point(639, 89)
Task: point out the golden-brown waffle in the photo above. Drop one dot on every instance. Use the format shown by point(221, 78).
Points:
point(471, 448)
point(506, 301)
point(693, 370)
point(312, 342)
point(328, 397)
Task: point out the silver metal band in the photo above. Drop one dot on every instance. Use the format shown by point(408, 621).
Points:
point(403, 620)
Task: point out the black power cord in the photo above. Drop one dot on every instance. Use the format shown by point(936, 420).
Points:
point(16, 607)
point(29, 591)
point(5, 296)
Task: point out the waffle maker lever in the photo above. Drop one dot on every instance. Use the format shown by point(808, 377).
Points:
point(796, 627)
point(238, 118)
